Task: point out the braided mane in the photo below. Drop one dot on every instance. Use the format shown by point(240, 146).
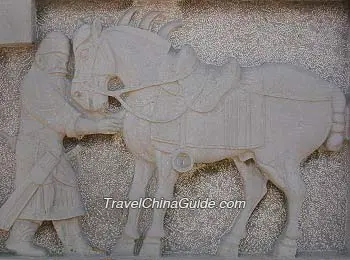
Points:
point(147, 22)
point(87, 31)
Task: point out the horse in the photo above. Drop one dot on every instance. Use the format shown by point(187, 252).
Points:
point(180, 111)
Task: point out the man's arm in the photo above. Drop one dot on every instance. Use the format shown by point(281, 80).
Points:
point(48, 106)
point(103, 125)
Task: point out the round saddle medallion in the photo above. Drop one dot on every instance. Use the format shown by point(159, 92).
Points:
point(182, 161)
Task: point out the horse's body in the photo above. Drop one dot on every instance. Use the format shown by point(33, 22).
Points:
point(246, 118)
point(274, 114)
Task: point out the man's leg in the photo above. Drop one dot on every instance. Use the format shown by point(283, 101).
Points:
point(21, 238)
point(69, 231)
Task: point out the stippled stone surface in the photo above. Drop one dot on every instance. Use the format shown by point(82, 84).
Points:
point(308, 34)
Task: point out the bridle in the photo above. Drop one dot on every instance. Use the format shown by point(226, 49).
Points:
point(119, 93)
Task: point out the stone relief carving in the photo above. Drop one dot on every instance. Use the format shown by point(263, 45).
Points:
point(45, 185)
point(180, 111)
point(200, 97)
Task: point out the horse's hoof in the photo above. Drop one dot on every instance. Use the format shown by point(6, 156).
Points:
point(7, 252)
point(228, 250)
point(229, 246)
point(151, 247)
point(286, 248)
point(124, 247)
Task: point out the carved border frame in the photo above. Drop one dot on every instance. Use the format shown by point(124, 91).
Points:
point(347, 224)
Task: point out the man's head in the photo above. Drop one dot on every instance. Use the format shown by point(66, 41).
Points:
point(53, 53)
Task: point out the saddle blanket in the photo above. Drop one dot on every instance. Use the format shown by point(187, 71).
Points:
point(238, 122)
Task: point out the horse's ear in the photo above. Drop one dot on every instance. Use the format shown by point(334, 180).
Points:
point(96, 28)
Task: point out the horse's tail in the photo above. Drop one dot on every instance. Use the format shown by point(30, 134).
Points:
point(337, 134)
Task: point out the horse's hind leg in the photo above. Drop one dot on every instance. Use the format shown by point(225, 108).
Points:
point(143, 173)
point(255, 188)
point(285, 175)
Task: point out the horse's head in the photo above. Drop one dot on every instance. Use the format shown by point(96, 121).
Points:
point(91, 67)
point(137, 56)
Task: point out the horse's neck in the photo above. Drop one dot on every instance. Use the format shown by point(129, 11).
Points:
point(137, 58)
point(141, 62)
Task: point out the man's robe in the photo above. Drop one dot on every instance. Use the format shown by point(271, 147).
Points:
point(46, 118)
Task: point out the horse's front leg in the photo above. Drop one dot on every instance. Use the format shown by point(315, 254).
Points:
point(142, 175)
point(166, 181)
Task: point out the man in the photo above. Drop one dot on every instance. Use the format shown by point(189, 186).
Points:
point(46, 186)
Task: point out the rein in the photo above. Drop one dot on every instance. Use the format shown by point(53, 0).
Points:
point(118, 93)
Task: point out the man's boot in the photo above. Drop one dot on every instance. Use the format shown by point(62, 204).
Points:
point(70, 234)
point(21, 239)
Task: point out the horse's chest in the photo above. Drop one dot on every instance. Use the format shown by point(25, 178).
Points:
point(137, 136)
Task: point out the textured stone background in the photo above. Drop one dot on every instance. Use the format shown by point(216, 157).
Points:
point(310, 35)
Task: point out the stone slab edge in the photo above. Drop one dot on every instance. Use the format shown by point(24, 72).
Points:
point(18, 22)
point(347, 229)
point(176, 258)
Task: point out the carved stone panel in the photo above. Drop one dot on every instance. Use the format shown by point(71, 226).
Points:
point(245, 101)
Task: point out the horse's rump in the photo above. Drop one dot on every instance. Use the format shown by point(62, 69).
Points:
point(285, 82)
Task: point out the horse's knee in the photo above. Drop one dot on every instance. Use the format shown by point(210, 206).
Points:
point(256, 193)
point(296, 192)
point(137, 191)
point(295, 186)
point(255, 187)
point(167, 193)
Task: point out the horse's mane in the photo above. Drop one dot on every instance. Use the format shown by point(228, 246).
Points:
point(142, 57)
point(143, 29)
point(147, 22)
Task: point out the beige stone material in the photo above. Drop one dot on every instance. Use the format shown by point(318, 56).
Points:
point(267, 119)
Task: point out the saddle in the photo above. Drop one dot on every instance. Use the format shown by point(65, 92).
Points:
point(200, 92)
point(205, 87)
